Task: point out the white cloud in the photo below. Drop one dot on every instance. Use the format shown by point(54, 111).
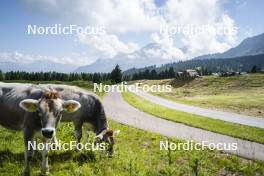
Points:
point(116, 15)
point(76, 59)
point(201, 13)
point(167, 44)
point(134, 16)
point(107, 45)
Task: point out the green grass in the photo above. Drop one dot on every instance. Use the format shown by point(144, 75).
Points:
point(136, 153)
point(239, 94)
point(227, 128)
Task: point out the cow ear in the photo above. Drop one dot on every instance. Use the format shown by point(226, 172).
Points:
point(113, 133)
point(29, 105)
point(71, 106)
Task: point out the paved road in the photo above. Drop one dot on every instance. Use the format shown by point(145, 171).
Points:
point(226, 116)
point(119, 110)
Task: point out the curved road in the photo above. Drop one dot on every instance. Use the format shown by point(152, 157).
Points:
point(119, 110)
point(214, 114)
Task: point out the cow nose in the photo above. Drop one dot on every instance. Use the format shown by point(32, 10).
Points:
point(47, 132)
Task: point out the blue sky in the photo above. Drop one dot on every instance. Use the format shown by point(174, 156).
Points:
point(247, 15)
point(14, 19)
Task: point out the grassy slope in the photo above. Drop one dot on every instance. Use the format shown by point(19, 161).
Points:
point(231, 129)
point(241, 94)
point(137, 153)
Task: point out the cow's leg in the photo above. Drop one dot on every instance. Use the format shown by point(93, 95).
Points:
point(86, 134)
point(29, 150)
point(111, 143)
point(55, 141)
point(45, 163)
point(78, 132)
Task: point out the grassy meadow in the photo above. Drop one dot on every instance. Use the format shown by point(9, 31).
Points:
point(218, 126)
point(240, 94)
point(137, 153)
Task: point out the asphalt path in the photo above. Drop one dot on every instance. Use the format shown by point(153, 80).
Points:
point(214, 114)
point(119, 110)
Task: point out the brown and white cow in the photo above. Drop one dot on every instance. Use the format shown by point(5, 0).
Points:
point(91, 115)
point(27, 107)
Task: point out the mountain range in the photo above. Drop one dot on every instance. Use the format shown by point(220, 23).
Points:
point(248, 47)
point(146, 56)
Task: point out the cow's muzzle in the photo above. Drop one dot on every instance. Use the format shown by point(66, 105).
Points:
point(48, 132)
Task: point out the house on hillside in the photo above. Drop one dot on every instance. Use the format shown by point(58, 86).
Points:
point(192, 73)
point(179, 73)
point(226, 74)
point(187, 74)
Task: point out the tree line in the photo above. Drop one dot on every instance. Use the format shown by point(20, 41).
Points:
point(238, 64)
point(114, 77)
point(208, 66)
point(147, 74)
point(166, 74)
point(251, 64)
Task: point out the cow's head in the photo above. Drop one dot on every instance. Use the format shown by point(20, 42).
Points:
point(49, 108)
point(107, 136)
